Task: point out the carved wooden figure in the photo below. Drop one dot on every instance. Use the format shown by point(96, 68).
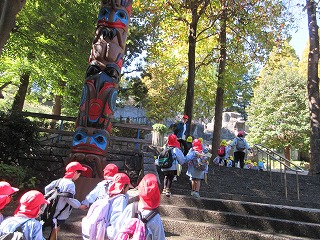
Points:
point(100, 91)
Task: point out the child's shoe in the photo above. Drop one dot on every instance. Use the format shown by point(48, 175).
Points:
point(168, 193)
point(164, 191)
point(196, 194)
point(192, 193)
point(175, 179)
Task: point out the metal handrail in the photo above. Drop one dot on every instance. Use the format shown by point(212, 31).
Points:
point(285, 163)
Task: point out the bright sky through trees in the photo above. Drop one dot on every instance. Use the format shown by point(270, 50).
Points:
point(300, 35)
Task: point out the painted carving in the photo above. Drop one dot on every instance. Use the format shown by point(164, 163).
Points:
point(100, 91)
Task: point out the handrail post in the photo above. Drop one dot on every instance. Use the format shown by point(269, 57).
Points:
point(281, 174)
point(298, 187)
point(285, 183)
point(138, 137)
point(60, 129)
point(269, 168)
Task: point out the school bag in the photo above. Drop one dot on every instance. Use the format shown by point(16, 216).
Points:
point(200, 163)
point(95, 223)
point(135, 228)
point(222, 151)
point(16, 234)
point(240, 144)
point(53, 197)
point(165, 158)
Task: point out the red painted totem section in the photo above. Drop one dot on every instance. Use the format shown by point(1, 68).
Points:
point(100, 91)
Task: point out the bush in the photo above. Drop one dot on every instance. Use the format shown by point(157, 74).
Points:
point(17, 176)
point(160, 128)
point(18, 136)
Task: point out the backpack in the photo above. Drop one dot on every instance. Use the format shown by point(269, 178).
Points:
point(240, 144)
point(200, 163)
point(165, 158)
point(222, 151)
point(53, 197)
point(135, 228)
point(16, 234)
point(95, 223)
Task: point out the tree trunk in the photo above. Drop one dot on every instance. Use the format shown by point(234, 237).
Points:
point(220, 89)
point(19, 98)
point(313, 88)
point(188, 107)
point(56, 110)
point(287, 154)
point(8, 11)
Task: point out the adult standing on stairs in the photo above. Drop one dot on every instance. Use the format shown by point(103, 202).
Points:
point(181, 131)
point(241, 146)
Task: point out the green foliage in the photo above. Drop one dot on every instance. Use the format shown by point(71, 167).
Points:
point(17, 176)
point(18, 136)
point(128, 132)
point(160, 128)
point(52, 42)
point(278, 114)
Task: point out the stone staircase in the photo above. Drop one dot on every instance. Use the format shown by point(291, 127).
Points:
point(235, 204)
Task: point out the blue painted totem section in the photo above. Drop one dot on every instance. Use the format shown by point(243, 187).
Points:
point(100, 91)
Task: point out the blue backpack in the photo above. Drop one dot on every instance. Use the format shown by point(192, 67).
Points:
point(200, 163)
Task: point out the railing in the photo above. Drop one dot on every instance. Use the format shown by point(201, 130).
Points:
point(285, 165)
point(62, 119)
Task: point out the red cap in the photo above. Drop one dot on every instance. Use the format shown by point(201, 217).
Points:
point(149, 193)
point(30, 204)
point(197, 145)
point(186, 117)
point(6, 189)
point(72, 167)
point(110, 170)
point(119, 180)
point(240, 134)
point(173, 141)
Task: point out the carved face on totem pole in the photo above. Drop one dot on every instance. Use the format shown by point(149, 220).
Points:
point(100, 90)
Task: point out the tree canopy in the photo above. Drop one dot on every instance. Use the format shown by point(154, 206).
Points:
point(278, 113)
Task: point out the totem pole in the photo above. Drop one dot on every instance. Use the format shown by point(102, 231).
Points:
point(100, 91)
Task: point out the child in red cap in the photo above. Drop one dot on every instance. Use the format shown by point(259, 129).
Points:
point(30, 204)
point(149, 200)
point(6, 192)
point(100, 191)
point(118, 193)
point(195, 174)
point(178, 158)
point(65, 204)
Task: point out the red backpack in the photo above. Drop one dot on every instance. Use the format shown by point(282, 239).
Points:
point(222, 151)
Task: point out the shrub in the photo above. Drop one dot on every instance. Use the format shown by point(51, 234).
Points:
point(17, 176)
point(18, 136)
point(160, 128)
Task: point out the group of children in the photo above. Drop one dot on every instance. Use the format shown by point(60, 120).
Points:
point(25, 215)
point(114, 187)
point(196, 159)
point(240, 146)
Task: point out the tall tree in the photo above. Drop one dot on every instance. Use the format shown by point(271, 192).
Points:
point(278, 114)
point(253, 28)
point(313, 87)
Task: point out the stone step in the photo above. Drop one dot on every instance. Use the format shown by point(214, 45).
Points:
point(309, 215)
point(195, 230)
point(182, 229)
point(182, 215)
point(253, 186)
point(243, 221)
